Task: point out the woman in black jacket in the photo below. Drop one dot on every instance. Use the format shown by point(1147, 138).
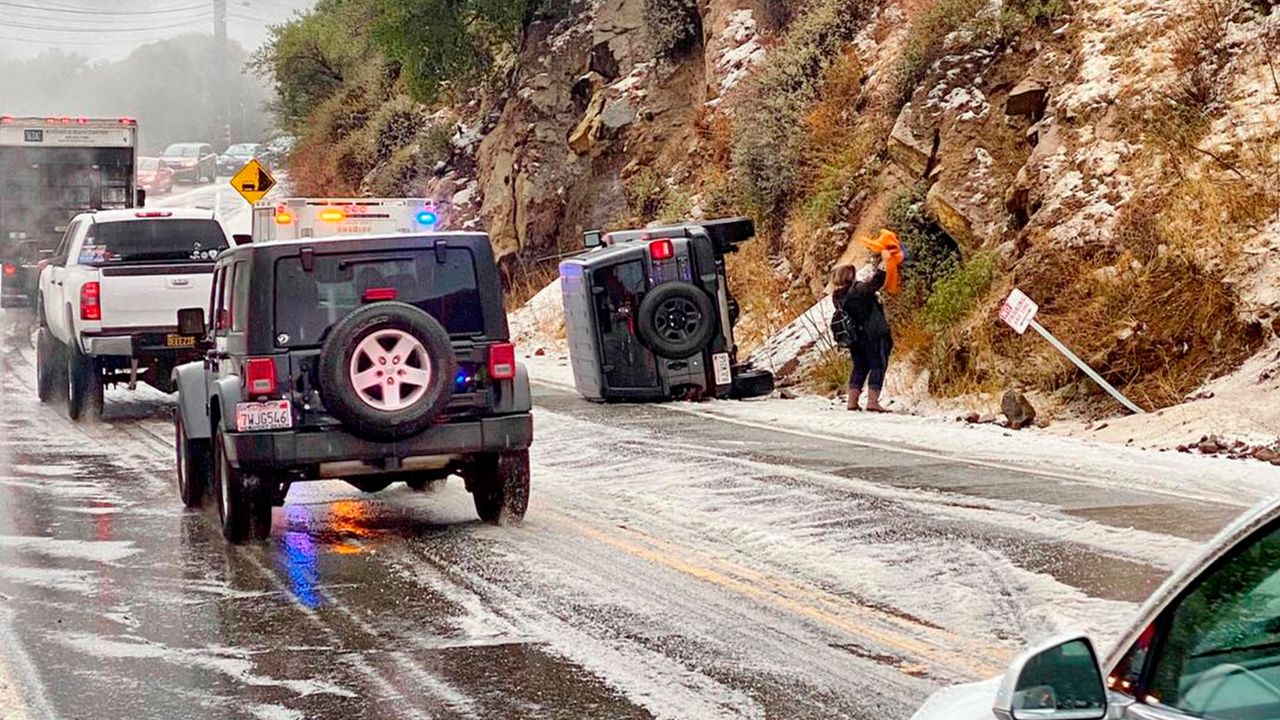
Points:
point(870, 339)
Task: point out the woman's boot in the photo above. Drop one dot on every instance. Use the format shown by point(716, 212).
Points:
point(853, 399)
point(873, 402)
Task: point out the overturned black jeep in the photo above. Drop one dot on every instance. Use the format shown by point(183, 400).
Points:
point(371, 360)
point(650, 317)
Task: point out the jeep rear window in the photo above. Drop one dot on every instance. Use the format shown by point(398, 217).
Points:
point(139, 241)
point(309, 303)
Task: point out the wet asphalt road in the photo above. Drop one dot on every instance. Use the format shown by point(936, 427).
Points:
point(670, 566)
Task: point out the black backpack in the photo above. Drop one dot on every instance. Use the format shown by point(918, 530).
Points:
point(841, 326)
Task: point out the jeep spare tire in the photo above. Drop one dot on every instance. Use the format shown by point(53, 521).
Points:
point(387, 371)
point(676, 320)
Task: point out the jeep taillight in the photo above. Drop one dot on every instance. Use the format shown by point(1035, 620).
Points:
point(260, 376)
point(502, 361)
point(662, 249)
point(91, 301)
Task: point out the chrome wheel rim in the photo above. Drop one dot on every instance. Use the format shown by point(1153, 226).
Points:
point(390, 370)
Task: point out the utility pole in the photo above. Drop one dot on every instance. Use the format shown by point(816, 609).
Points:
point(220, 99)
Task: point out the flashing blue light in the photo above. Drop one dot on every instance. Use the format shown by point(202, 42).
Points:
point(427, 218)
point(463, 380)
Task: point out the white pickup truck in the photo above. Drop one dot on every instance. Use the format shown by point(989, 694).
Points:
point(108, 300)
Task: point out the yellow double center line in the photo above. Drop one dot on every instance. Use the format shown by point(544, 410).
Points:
point(923, 649)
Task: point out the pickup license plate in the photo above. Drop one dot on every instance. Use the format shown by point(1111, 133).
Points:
point(180, 341)
point(256, 417)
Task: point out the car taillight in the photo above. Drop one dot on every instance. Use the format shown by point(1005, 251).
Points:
point(662, 250)
point(380, 294)
point(502, 361)
point(10, 269)
point(91, 301)
point(260, 376)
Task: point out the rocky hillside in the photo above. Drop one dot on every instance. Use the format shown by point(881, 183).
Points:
point(1115, 159)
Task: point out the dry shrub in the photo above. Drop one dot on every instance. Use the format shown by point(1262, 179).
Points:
point(830, 374)
point(843, 150)
point(766, 296)
point(1157, 331)
point(1196, 54)
point(528, 279)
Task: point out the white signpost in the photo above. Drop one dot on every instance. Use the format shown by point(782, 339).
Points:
point(1019, 312)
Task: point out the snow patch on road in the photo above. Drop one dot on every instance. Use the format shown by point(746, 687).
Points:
point(101, 551)
point(233, 663)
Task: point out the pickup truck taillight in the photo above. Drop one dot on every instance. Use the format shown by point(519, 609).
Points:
point(91, 301)
point(260, 376)
point(10, 269)
point(502, 361)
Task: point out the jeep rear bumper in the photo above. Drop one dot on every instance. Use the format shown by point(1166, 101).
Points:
point(306, 451)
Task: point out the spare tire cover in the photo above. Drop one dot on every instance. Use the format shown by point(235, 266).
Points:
point(676, 320)
point(387, 370)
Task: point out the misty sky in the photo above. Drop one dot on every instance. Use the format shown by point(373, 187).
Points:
point(110, 29)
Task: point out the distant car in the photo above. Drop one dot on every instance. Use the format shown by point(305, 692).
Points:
point(191, 162)
point(1206, 645)
point(237, 156)
point(154, 175)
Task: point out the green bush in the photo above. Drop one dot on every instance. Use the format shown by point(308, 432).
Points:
point(672, 27)
point(647, 194)
point(1035, 12)
point(934, 255)
point(396, 125)
point(953, 296)
point(769, 126)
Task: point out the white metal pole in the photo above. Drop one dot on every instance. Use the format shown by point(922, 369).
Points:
point(1087, 370)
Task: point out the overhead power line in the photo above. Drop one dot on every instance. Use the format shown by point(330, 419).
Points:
point(99, 13)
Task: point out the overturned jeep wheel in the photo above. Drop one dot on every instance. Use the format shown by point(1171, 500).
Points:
point(676, 320)
point(387, 371)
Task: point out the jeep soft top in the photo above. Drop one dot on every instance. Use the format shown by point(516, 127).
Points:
point(370, 359)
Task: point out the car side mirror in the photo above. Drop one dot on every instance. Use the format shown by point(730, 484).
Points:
point(191, 322)
point(45, 254)
point(142, 197)
point(592, 239)
point(1058, 681)
point(242, 239)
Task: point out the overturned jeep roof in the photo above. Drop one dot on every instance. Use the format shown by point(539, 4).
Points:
point(725, 232)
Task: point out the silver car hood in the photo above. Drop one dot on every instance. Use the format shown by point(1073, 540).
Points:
point(961, 702)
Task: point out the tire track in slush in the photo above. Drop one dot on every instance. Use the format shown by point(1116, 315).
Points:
point(148, 434)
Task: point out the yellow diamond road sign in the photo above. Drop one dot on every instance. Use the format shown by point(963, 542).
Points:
point(253, 182)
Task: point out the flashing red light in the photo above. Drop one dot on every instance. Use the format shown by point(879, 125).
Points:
point(91, 301)
point(10, 269)
point(66, 120)
point(6, 120)
point(154, 214)
point(128, 121)
point(260, 376)
point(380, 294)
point(82, 121)
point(502, 361)
point(662, 250)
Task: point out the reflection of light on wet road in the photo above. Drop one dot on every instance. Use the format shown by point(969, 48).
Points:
point(350, 517)
point(300, 559)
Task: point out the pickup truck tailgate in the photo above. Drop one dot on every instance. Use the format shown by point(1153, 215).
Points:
point(150, 296)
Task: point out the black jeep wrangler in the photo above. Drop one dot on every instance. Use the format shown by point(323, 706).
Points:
point(371, 360)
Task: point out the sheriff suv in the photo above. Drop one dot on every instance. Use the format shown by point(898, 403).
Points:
point(373, 360)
